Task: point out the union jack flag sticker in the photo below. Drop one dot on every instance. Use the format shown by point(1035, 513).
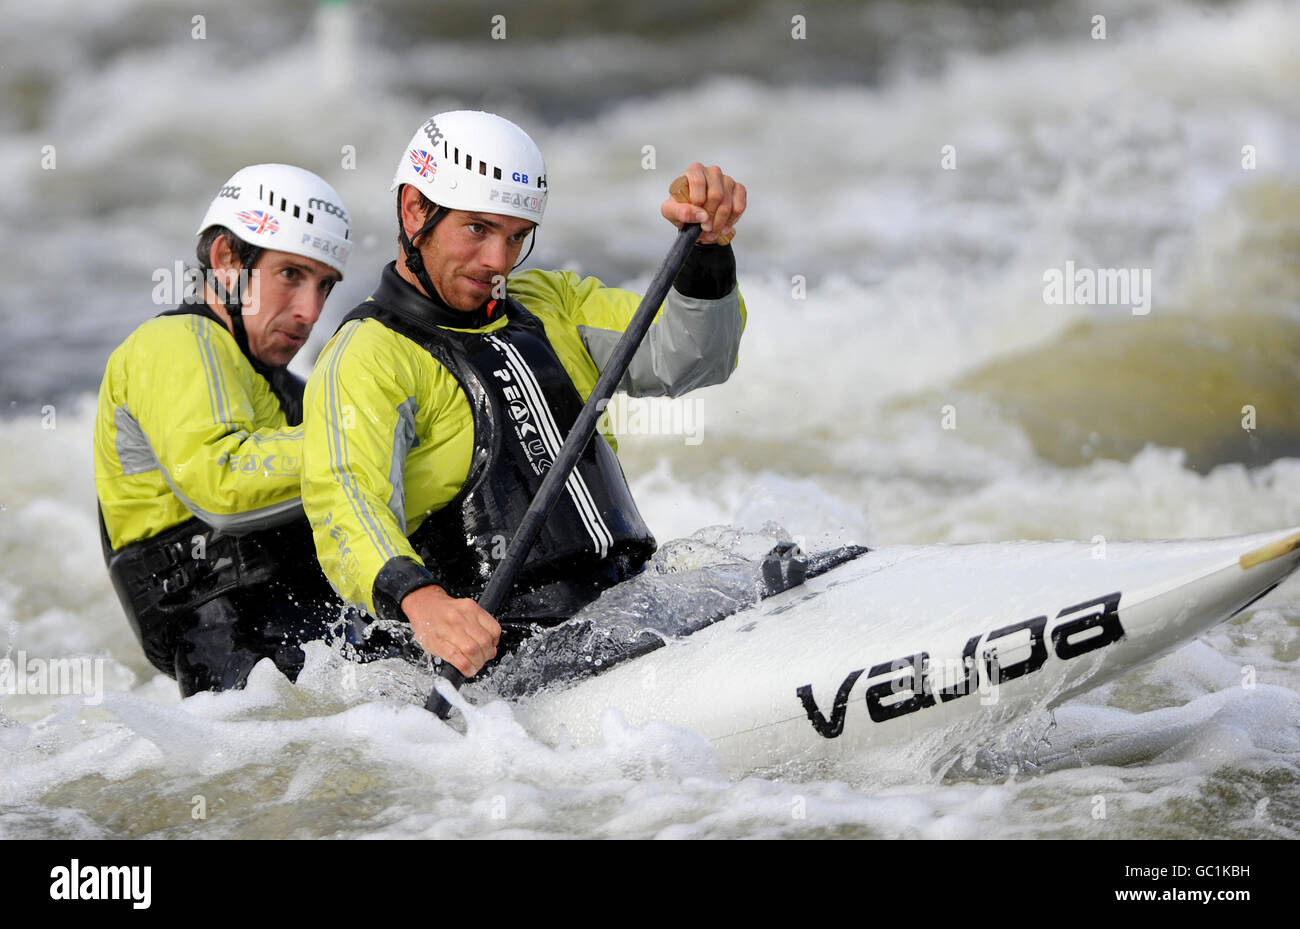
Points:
point(259, 221)
point(423, 162)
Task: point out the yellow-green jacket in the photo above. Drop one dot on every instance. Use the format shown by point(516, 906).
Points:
point(389, 433)
point(186, 427)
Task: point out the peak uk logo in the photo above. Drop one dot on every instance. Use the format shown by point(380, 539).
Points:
point(259, 221)
point(423, 162)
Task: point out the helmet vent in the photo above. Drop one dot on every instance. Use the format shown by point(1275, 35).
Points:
point(270, 197)
point(496, 174)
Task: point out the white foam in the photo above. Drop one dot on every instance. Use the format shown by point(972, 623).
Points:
point(1121, 153)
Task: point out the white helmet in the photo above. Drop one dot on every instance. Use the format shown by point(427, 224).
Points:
point(286, 209)
point(470, 160)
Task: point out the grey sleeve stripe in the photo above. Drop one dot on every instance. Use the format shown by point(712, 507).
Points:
point(238, 523)
point(134, 453)
point(404, 439)
point(694, 343)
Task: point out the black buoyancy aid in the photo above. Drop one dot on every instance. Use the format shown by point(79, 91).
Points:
point(524, 403)
point(166, 577)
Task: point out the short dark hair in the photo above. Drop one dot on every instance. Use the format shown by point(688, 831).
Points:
point(244, 251)
point(426, 207)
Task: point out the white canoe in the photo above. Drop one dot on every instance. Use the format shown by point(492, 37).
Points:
point(909, 640)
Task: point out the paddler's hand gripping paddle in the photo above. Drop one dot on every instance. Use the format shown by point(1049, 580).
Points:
point(498, 587)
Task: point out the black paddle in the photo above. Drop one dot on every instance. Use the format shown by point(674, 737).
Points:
point(584, 427)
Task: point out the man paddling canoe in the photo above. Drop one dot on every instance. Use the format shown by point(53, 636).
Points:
point(435, 412)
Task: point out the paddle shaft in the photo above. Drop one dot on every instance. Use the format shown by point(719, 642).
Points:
point(503, 578)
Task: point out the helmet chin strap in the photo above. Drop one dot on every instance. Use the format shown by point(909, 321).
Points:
point(233, 301)
point(531, 242)
point(414, 260)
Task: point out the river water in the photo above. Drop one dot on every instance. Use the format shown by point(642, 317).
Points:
point(918, 173)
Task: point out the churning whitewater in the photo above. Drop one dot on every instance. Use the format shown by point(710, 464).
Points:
point(903, 379)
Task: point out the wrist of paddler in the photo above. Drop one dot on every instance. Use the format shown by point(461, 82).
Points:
point(399, 576)
point(709, 272)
